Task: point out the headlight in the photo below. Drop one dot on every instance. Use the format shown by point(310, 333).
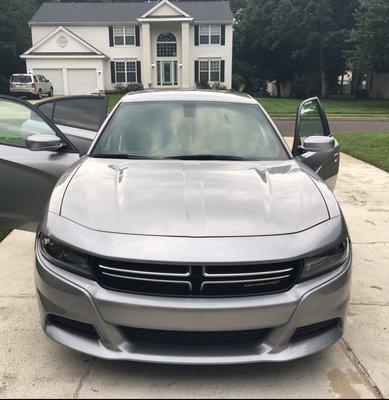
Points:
point(325, 262)
point(64, 257)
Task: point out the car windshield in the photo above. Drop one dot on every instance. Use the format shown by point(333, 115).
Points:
point(189, 130)
point(21, 78)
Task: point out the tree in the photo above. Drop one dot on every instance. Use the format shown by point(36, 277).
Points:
point(370, 38)
point(264, 47)
point(325, 29)
point(237, 5)
point(287, 39)
point(14, 37)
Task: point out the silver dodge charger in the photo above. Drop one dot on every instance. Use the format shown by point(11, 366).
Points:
point(181, 228)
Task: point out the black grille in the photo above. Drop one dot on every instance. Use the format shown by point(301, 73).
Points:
point(197, 280)
point(180, 338)
point(307, 332)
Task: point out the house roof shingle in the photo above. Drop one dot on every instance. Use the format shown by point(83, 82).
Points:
point(106, 13)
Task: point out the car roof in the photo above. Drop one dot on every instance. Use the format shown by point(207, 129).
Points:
point(188, 95)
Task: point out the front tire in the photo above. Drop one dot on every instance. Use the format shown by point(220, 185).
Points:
point(39, 96)
point(51, 93)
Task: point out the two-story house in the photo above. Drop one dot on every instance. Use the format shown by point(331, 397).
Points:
point(87, 47)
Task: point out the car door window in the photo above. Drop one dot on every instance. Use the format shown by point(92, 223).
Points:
point(79, 112)
point(311, 121)
point(47, 109)
point(18, 122)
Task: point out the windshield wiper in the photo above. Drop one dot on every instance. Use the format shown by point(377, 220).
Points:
point(207, 157)
point(123, 156)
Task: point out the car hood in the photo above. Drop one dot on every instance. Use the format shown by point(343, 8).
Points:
point(193, 198)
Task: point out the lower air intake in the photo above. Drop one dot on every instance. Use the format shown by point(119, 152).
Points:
point(180, 338)
point(310, 331)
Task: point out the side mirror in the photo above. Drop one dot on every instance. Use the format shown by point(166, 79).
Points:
point(43, 142)
point(318, 144)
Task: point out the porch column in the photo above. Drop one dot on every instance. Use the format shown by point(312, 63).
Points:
point(185, 55)
point(146, 55)
point(65, 81)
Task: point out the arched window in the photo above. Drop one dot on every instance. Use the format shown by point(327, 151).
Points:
point(166, 45)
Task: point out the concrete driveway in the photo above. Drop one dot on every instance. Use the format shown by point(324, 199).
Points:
point(358, 367)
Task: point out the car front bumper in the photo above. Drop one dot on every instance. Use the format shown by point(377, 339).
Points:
point(63, 294)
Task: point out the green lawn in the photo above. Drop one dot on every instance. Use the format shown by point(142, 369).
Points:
point(112, 101)
point(334, 108)
point(370, 147)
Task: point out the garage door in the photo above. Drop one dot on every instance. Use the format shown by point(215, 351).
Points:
point(82, 81)
point(55, 76)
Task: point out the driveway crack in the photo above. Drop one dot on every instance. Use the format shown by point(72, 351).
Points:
point(354, 359)
point(82, 380)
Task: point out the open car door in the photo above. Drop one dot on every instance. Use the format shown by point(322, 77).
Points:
point(313, 144)
point(33, 155)
point(78, 117)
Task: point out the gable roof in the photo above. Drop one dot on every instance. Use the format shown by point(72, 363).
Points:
point(113, 13)
point(89, 49)
point(168, 3)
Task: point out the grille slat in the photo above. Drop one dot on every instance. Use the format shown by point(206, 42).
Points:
point(197, 280)
point(243, 274)
point(244, 281)
point(148, 280)
point(149, 273)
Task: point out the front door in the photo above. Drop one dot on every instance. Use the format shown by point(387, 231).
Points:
point(167, 73)
point(167, 78)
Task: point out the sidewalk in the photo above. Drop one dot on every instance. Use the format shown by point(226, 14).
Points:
point(33, 366)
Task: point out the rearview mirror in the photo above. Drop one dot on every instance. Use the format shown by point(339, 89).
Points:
point(42, 142)
point(319, 144)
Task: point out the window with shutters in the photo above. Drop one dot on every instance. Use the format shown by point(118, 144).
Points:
point(125, 72)
point(124, 35)
point(209, 71)
point(204, 71)
point(210, 34)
